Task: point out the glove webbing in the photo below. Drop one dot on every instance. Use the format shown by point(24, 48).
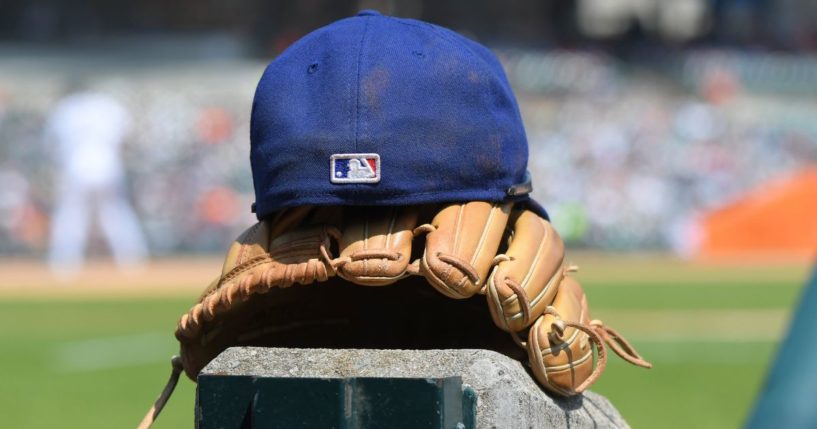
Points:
point(285, 275)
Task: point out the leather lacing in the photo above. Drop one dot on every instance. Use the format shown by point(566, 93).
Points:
point(518, 291)
point(597, 332)
point(276, 275)
point(325, 265)
point(227, 293)
point(153, 412)
point(462, 265)
point(619, 344)
point(535, 350)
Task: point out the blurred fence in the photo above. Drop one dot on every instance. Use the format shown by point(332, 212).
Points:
point(623, 155)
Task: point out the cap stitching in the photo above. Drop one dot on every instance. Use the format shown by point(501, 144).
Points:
point(357, 88)
point(443, 33)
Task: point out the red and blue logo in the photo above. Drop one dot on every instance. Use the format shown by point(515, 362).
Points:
point(355, 168)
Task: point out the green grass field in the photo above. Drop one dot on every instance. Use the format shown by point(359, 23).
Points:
point(100, 363)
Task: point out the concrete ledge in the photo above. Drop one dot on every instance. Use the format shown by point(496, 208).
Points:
point(507, 396)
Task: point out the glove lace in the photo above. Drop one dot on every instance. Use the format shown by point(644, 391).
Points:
point(153, 412)
point(619, 344)
point(518, 291)
point(461, 265)
point(277, 274)
point(558, 327)
point(464, 266)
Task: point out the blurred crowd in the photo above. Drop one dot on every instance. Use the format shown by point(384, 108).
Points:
point(622, 156)
point(630, 159)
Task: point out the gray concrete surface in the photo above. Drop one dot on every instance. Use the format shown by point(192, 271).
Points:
point(508, 397)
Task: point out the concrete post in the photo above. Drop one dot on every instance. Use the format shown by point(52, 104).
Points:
point(506, 396)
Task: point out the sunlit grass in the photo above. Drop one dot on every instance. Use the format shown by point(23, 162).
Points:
point(708, 363)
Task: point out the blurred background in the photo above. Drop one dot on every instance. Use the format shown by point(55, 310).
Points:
point(674, 144)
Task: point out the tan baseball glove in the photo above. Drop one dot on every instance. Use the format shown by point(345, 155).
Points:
point(296, 280)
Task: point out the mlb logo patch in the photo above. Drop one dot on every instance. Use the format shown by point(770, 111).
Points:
point(355, 168)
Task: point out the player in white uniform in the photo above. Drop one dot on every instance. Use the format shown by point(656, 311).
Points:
point(88, 129)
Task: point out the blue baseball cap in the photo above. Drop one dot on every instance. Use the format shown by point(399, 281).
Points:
point(378, 110)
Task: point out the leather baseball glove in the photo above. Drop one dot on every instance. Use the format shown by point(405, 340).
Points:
point(297, 280)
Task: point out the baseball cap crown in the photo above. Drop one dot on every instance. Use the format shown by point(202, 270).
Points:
point(379, 110)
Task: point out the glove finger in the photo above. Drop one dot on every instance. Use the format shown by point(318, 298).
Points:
point(375, 244)
point(525, 280)
point(255, 241)
point(461, 246)
point(559, 343)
